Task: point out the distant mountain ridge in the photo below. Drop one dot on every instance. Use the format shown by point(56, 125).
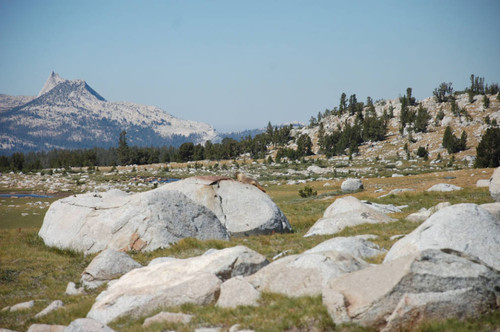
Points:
point(70, 114)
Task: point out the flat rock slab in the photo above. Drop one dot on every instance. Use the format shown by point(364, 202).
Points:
point(462, 227)
point(174, 282)
point(428, 283)
point(51, 307)
point(87, 325)
point(304, 274)
point(424, 213)
point(45, 328)
point(167, 317)
point(242, 208)
point(344, 212)
point(354, 246)
point(21, 306)
point(444, 187)
point(145, 221)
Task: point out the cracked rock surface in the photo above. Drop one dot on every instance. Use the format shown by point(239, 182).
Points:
point(145, 221)
point(174, 282)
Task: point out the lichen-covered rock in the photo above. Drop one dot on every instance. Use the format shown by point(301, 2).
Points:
point(424, 213)
point(237, 291)
point(351, 185)
point(462, 227)
point(432, 284)
point(87, 325)
point(444, 187)
point(242, 208)
point(354, 246)
point(144, 221)
point(304, 274)
point(174, 282)
point(108, 265)
point(344, 212)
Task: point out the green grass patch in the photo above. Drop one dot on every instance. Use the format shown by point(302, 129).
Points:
point(274, 313)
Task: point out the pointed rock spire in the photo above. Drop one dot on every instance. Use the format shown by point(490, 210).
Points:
point(53, 80)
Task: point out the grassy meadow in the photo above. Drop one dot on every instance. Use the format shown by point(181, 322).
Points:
point(31, 271)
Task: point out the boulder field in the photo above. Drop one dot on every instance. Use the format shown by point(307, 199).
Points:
point(448, 267)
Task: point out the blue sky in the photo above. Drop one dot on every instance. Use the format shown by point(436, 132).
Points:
point(239, 64)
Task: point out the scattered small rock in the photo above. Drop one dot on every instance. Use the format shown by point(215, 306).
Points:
point(167, 317)
point(354, 246)
point(444, 187)
point(109, 264)
point(483, 183)
point(51, 307)
point(237, 291)
point(351, 185)
point(87, 325)
point(396, 192)
point(45, 328)
point(72, 290)
point(22, 306)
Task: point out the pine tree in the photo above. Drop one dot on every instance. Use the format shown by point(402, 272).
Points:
point(463, 141)
point(486, 101)
point(343, 103)
point(449, 140)
point(123, 151)
point(422, 120)
point(488, 149)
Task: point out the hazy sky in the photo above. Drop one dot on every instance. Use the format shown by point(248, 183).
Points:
point(239, 64)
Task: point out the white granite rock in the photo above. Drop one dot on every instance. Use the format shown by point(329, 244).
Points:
point(462, 227)
point(193, 280)
point(146, 221)
point(351, 185)
point(398, 295)
point(495, 185)
point(354, 246)
point(344, 212)
point(109, 264)
point(304, 274)
point(444, 187)
point(242, 208)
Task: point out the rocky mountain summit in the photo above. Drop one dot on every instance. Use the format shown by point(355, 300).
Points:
point(70, 114)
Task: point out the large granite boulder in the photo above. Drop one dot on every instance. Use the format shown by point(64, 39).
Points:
point(355, 246)
point(344, 212)
point(145, 221)
point(462, 227)
point(398, 295)
point(241, 207)
point(304, 274)
point(174, 282)
point(108, 265)
point(495, 185)
point(351, 185)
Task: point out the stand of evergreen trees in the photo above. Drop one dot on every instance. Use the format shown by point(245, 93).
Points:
point(124, 154)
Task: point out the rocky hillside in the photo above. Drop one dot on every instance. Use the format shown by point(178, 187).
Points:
point(463, 116)
point(70, 114)
point(8, 102)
